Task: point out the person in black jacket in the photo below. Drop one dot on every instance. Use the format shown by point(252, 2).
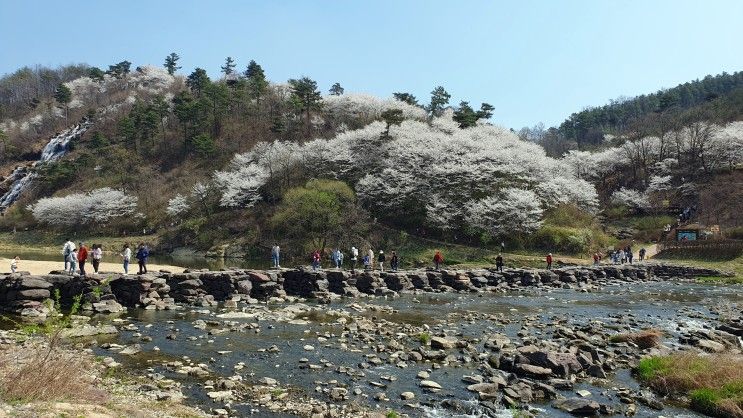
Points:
point(499, 263)
point(380, 259)
point(394, 262)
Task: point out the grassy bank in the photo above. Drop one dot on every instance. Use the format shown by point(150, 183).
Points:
point(734, 266)
point(52, 242)
point(713, 383)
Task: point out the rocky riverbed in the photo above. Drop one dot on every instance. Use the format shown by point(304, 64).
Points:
point(420, 343)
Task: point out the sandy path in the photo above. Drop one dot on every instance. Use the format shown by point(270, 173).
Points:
point(44, 267)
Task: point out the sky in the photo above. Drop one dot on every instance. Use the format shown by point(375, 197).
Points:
point(534, 61)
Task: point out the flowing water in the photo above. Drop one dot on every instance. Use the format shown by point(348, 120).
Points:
point(22, 177)
point(673, 307)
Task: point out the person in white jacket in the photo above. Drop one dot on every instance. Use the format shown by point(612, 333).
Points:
point(68, 247)
point(371, 259)
point(354, 258)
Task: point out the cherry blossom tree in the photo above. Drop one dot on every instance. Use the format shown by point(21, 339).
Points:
point(97, 206)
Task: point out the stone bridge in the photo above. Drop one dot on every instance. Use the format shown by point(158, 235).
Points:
point(31, 296)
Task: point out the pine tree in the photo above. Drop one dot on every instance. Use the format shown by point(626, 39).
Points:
point(257, 83)
point(96, 74)
point(306, 97)
point(391, 117)
point(171, 63)
point(197, 81)
point(63, 96)
point(120, 69)
point(229, 66)
point(336, 89)
point(439, 99)
point(407, 98)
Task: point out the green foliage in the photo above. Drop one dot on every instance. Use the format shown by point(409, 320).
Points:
point(391, 117)
point(57, 175)
point(317, 212)
point(119, 70)
point(468, 117)
point(424, 338)
point(98, 140)
point(336, 89)
point(407, 98)
point(257, 83)
point(229, 66)
point(568, 240)
point(305, 95)
point(202, 145)
point(392, 414)
point(171, 63)
point(439, 99)
point(650, 367)
point(569, 215)
point(197, 80)
point(63, 95)
point(96, 74)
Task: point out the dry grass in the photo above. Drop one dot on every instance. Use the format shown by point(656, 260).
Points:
point(647, 338)
point(714, 383)
point(35, 372)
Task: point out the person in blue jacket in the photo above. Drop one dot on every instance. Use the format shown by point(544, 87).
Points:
point(142, 254)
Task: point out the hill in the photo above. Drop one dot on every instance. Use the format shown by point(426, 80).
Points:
point(233, 164)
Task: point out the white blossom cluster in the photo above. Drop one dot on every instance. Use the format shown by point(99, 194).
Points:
point(97, 206)
point(482, 176)
point(367, 108)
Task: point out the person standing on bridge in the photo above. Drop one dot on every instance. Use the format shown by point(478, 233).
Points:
point(394, 261)
point(97, 256)
point(549, 261)
point(72, 260)
point(275, 255)
point(371, 259)
point(142, 254)
point(438, 260)
point(354, 258)
point(499, 263)
point(14, 265)
point(126, 256)
point(82, 257)
point(642, 253)
point(66, 250)
point(380, 259)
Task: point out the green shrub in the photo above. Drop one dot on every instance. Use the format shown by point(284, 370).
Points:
point(424, 338)
point(651, 223)
point(704, 400)
point(649, 367)
point(568, 240)
point(569, 215)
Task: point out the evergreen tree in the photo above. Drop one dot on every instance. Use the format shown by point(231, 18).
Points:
point(391, 117)
point(171, 63)
point(197, 81)
point(63, 96)
point(229, 66)
point(439, 99)
point(407, 98)
point(336, 89)
point(120, 69)
point(466, 116)
point(96, 74)
point(306, 97)
point(257, 83)
point(219, 99)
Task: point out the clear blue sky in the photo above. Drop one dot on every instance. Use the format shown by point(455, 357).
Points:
point(533, 60)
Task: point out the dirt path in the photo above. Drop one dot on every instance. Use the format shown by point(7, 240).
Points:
point(44, 267)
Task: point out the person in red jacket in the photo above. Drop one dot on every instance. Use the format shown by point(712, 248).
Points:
point(82, 256)
point(438, 259)
point(549, 261)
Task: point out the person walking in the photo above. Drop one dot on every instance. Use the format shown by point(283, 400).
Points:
point(371, 259)
point(72, 260)
point(316, 260)
point(380, 260)
point(142, 254)
point(97, 256)
point(438, 260)
point(642, 253)
point(367, 263)
point(354, 258)
point(126, 256)
point(622, 256)
point(275, 256)
point(499, 263)
point(82, 257)
point(628, 251)
point(66, 250)
point(596, 259)
point(549, 261)
point(394, 261)
point(339, 258)
point(14, 265)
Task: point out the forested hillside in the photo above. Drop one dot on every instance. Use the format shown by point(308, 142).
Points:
point(235, 159)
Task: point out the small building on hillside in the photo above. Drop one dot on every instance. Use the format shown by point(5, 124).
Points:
point(691, 232)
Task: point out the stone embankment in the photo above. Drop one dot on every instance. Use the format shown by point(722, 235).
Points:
point(30, 296)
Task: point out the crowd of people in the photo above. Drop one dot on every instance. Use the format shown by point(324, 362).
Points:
point(371, 260)
point(75, 257)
